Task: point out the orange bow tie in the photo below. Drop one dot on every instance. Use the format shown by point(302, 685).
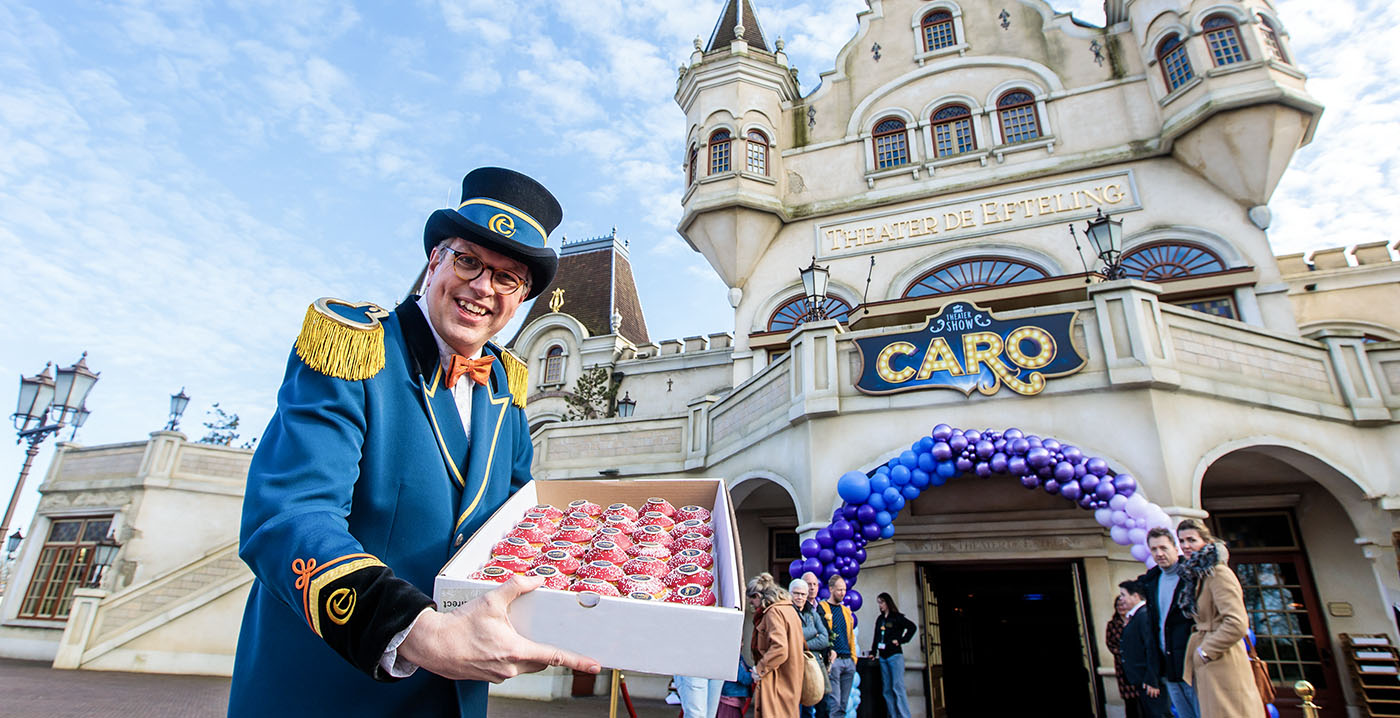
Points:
point(478, 369)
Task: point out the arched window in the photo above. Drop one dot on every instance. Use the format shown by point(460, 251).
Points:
point(1170, 260)
point(891, 143)
point(720, 143)
point(554, 365)
point(791, 313)
point(975, 273)
point(1018, 120)
point(952, 131)
point(1223, 39)
point(938, 30)
point(1176, 66)
point(690, 165)
point(757, 153)
point(1271, 41)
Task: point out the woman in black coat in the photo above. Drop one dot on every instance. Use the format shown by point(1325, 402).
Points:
point(892, 631)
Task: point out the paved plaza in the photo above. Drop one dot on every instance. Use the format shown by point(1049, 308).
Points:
point(34, 690)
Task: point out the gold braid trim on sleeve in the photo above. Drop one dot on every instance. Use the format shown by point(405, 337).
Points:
point(341, 346)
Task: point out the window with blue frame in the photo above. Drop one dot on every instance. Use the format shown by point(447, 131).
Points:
point(938, 30)
point(1223, 39)
point(952, 131)
point(1170, 260)
point(976, 273)
point(794, 311)
point(1018, 120)
point(1176, 66)
point(891, 143)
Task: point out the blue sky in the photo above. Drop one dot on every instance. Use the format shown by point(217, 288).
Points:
point(178, 180)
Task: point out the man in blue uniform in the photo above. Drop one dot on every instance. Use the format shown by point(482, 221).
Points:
point(397, 434)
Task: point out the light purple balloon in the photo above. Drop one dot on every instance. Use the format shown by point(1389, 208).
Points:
point(1117, 502)
point(1137, 535)
point(1139, 552)
point(1119, 535)
point(1119, 516)
point(1104, 517)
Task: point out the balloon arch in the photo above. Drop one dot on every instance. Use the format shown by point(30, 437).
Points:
point(871, 502)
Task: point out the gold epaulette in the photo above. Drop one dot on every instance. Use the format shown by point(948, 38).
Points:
point(346, 346)
point(517, 376)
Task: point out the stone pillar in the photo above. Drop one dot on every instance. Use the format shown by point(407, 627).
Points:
point(697, 433)
point(1137, 345)
point(82, 617)
point(1352, 370)
point(814, 391)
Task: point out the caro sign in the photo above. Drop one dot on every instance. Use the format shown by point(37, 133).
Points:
point(965, 347)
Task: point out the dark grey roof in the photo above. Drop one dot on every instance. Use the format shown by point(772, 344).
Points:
point(724, 29)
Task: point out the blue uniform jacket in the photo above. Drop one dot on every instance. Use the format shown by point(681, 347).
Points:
point(358, 494)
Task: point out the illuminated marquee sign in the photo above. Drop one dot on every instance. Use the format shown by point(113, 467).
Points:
point(965, 347)
point(972, 216)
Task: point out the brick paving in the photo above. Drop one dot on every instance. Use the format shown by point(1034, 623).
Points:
point(34, 690)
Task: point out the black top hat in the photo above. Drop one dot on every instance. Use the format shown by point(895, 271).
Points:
point(506, 212)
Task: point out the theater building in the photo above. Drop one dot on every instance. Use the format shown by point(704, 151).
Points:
point(936, 172)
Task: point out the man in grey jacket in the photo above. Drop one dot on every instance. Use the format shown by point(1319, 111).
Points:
point(814, 631)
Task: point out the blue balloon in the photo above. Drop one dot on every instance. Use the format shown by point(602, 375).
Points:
point(890, 495)
point(810, 547)
point(910, 492)
point(853, 486)
point(908, 459)
point(879, 483)
point(795, 568)
point(882, 470)
point(826, 555)
point(899, 476)
point(887, 531)
point(876, 500)
point(865, 514)
point(1273, 712)
point(883, 519)
point(895, 505)
point(924, 444)
point(918, 478)
point(869, 532)
point(824, 538)
point(926, 462)
point(946, 469)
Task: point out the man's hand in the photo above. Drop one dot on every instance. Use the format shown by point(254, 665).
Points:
point(477, 642)
point(1152, 691)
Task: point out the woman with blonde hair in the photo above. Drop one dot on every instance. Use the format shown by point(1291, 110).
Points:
point(777, 649)
point(1217, 665)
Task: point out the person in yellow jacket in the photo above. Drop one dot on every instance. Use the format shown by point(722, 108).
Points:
point(842, 625)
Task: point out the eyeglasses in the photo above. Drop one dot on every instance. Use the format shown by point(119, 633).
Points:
point(468, 267)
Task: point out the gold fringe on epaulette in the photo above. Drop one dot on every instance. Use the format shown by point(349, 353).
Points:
point(341, 350)
point(517, 377)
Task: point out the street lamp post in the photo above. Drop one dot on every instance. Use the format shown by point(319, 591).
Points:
point(178, 402)
point(626, 405)
point(102, 556)
point(47, 404)
point(814, 280)
point(11, 545)
point(1106, 236)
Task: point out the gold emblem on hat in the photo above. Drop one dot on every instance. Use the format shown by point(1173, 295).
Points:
point(502, 224)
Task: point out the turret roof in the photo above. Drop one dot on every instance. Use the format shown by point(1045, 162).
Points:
point(734, 12)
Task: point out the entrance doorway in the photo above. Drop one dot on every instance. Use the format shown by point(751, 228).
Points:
point(1008, 639)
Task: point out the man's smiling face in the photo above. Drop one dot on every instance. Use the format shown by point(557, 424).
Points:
point(467, 314)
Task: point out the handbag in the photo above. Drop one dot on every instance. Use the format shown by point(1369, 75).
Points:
point(1261, 676)
point(813, 680)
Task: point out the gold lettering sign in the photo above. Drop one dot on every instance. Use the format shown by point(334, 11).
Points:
point(987, 213)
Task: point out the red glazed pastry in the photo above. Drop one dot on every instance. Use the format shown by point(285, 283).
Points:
point(573, 549)
point(696, 525)
point(692, 540)
point(659, 504)
point(622, 523)
point(515, 546)
point(622, 510)
point(615, 535)
point(605, 551)
point(559, 559)
point(596, 585)
point(553, 577)
point(579, 519)
point(573, 534)
point(511, 563)
point(586, 506)
point(642, 596)
point(642, 583)
point(686, 513)
point(656, 518)
point(692, 595)
point(550, 512)
point(530, 531)
point(655, 534)
point(703, 559)
point(494, 574)
point(649, 548)
point(645, 565)
point(605, 570)
point(688, 574)
point(542, 520)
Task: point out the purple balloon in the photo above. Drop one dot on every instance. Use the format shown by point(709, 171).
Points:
point(983, 469)
point(827, 572)
point(1072, 454)
point(1064, 471)
point(957, 443)
point(1051, 486)
point(810, 547)
point(865, 513)
point(1104, 491)
point(1096, 466)
point(1104, 517)
point(849, 572)
point(1070, 491)
point(1033, 440)
point(824, 538)
point(823, 593)
point(1125, 484)
point(941, 432)
point(849, 512)
point(1016, 465)
point(851, 579)
point(812, 565)
point(842, 530)
point(963, 465)
point(853, 600)
point(795, 568)
point(1019, 446)
point(985, 449)
point(870, 531)
point(998, 463)
point(1011, 434)
point(973, 436)
point(1030, 481)
point(1089, 482)
point(859, 555)
point(826, 555)
point(941, 451)
point(1050, 444)
point(845, 547)
point(1038, 457)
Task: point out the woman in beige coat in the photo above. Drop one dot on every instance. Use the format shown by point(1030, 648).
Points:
point(1217, 665)
point(777, 648)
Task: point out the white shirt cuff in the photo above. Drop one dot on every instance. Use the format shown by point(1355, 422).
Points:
point(390, 663)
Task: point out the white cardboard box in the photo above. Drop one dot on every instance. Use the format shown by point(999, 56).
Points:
point(624, 633)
